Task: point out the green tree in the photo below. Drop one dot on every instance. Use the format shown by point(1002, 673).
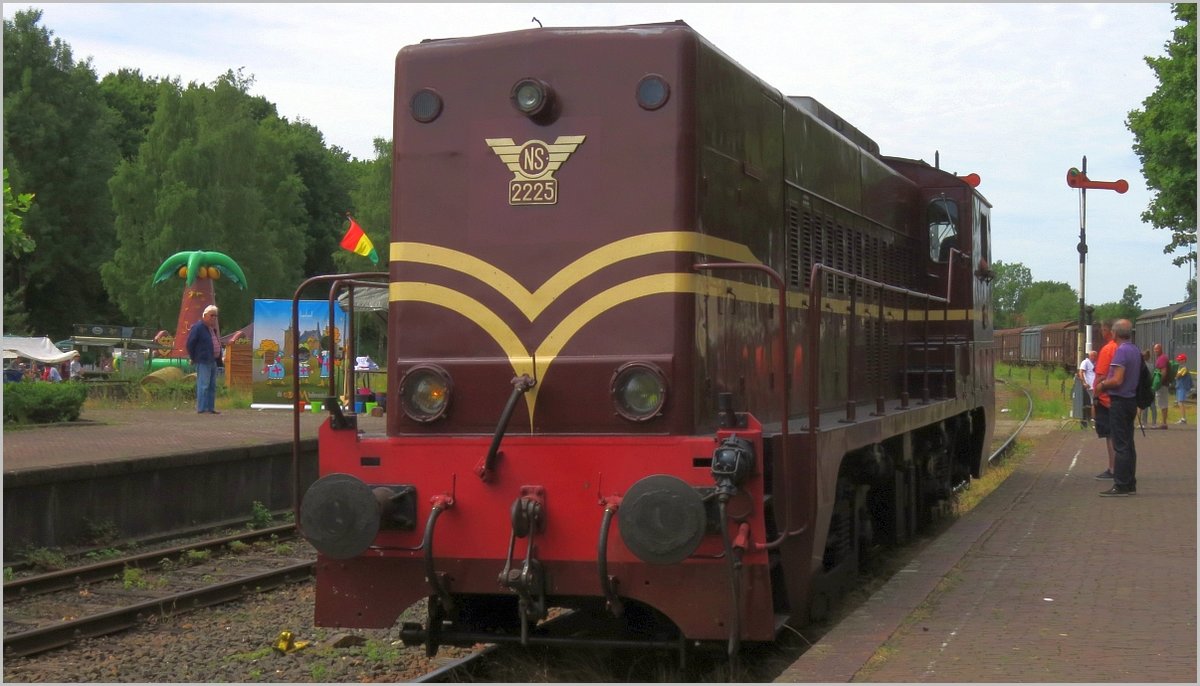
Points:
point(1128, 307)
point(215, 173)
point(58, 144)
point(1131, 302)
point(1164, 133)
point(1190, 293)
point(16, 243)
point(1008, 289)
point(1050, 302)
point(328, 178)
point(372, 208)
point(132, 97)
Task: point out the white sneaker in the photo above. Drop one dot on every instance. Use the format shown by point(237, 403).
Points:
point(1183, 420)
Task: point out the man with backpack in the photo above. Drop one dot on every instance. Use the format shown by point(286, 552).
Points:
point(1120, 383)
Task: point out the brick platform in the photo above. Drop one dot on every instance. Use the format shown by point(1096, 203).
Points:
point(1043, 582)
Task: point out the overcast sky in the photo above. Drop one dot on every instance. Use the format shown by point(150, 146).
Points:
point(1017, 93)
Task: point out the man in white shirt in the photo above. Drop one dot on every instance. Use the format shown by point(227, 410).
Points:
point(1087, 374)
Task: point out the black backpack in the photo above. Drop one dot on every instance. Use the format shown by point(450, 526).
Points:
point(1145, 394)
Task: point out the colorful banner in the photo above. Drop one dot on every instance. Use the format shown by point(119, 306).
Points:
point(273, 369)
point(357, 241)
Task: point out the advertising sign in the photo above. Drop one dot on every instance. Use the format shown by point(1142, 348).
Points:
point(320, 346)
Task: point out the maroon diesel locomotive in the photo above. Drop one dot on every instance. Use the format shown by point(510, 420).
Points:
point(666, 348)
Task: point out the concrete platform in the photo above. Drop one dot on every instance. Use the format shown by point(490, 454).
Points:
point(104, 435)
point(144, 472)
point(1043, 582)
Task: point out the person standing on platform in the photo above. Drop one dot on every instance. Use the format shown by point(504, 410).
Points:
point(204, 347)
point(1121, 385)
point(75, 368)
point(1162, 394)
point(1183, 386)
point(1103, 360)
point(1087, 375)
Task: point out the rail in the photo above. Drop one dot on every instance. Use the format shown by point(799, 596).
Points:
point(69, 578)
point(1007, 444)
point(67, 632)
point(814, 340)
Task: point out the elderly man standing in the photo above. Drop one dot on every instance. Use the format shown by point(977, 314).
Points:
point(204, 347)
point(1121, 386)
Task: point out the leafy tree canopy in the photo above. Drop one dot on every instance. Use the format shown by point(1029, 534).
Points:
point(58, 144)
point(1165, 138)
point(132, 97)
point(1009, 285)
point(215, 173)
point(1128, 307)
point(1050, 302)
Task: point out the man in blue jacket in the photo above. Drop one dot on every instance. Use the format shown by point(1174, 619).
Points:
point(204, 347)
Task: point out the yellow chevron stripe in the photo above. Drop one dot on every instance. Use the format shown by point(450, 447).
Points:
point(552, 345)
point(473, 310)
point(531, 304)
point(604, 301)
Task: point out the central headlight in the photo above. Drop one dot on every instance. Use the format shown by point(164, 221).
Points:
point(639, 391)
point(425, 393)
point(532, 97)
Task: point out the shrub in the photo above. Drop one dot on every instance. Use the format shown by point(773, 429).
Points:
point(43, 403)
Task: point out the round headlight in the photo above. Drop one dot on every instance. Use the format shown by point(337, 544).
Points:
point(652, 92)
point(425, 105)
point(425, 393)
point(531, 97)
point(639, 391)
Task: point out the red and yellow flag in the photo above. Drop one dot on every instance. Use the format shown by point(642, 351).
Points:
point(357, 241)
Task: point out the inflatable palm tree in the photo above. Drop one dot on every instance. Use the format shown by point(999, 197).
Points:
point(199, 269)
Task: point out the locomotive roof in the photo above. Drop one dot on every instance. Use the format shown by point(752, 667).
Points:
point(936, 170)
point(813, 106)
point(521, 34)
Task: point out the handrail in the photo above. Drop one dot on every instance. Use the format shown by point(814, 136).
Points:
point(784, 353)
point(814, 333)
point(296, 377)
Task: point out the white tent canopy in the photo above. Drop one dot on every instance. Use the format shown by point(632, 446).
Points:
point(40, 349)
point(365, 299)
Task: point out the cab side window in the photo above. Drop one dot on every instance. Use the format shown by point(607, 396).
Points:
point(943, 228)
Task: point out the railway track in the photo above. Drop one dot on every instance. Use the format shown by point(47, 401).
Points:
point(52, 610)
point(50, 582)
point(1008, 443)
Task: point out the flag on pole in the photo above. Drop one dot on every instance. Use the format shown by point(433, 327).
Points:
point(357, 241)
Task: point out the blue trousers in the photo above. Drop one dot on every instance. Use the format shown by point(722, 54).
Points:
point(206, 386)
point(1122, 413)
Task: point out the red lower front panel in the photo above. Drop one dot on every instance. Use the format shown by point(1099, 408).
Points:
point(577, 476)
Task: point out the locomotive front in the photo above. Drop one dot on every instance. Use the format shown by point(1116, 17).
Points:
point(544, 444)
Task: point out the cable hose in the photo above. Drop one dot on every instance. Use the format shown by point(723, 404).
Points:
point(735, 631)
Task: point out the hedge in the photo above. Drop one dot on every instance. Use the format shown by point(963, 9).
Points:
point(39, 402)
